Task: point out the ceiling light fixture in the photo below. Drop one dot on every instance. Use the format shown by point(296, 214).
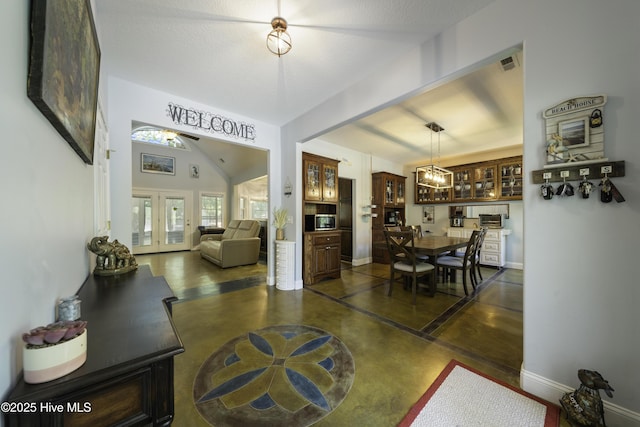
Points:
point(278, 40)
point(433, 176)
point(169, 135)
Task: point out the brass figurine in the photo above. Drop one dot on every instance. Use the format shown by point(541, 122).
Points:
point(112, 258)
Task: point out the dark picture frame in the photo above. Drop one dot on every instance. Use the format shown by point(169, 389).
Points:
point(64, 70)
point(154, 163)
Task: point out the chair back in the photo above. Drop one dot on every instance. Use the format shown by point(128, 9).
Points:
point(417, 230)
point(479, 243)
point(470, 252)
point(401, 246)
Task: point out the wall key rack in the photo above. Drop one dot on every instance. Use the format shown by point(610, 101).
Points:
point(576, 172)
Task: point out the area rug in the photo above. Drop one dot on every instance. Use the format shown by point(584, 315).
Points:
point(285, 375)
point(463, 396)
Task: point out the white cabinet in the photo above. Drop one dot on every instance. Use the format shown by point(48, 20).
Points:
point(285, 265)
point(493, 250)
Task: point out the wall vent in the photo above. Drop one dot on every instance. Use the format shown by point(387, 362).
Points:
point(509, 63)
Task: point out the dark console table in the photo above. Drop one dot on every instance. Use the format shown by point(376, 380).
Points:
point(128, 376)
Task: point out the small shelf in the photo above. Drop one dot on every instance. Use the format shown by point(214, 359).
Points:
point(617, 170)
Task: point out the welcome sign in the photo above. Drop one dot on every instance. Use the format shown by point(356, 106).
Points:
point(210, 122)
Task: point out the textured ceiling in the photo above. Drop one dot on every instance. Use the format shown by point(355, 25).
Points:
point(214, 52)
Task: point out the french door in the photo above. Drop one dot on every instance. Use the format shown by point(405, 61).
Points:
point(161, 221)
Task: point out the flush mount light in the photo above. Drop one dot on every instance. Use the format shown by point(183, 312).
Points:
point(278, 40)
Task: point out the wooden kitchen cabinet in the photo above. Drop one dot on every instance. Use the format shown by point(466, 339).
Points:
point(462, 183)
point(322, 256)
point(483, 181)
point(388, 192)
point(424, 195)
point(320, 178)
point(510, 171)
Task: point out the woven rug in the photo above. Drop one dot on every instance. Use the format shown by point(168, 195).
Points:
point(463, 396)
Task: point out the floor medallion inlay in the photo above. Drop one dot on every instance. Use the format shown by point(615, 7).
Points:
point(281, 375)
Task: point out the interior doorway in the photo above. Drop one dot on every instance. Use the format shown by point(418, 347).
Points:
point(345, 218)
point(161, 221)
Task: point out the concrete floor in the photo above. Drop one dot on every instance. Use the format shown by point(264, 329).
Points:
point(398, 349)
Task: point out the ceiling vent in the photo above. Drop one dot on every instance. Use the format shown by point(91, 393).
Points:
point(509, 63)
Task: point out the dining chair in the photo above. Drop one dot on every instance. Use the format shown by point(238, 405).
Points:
point(464, 264)
point(476, 258)
point(417, 233)
point(404, 261)
point(417, 230)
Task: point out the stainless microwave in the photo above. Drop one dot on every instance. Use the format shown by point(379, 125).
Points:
point(320, 222)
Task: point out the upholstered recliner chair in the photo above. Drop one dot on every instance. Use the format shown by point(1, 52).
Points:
point(238, 245)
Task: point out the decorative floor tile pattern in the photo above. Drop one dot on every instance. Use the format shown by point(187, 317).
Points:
point(290, 375)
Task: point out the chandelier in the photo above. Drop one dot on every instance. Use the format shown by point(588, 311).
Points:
point(278, 40)
point(432, 175)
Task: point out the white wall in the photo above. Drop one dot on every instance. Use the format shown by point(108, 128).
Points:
point(211, 179)
point(581, 290)
point(129, 102)
point(47, 217)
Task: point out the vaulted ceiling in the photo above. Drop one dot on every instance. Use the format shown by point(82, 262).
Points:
point(214, 52)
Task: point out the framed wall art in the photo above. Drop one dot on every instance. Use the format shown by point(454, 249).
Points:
point(64, 69)
point(194, 171)
point(428, 214)
point(574, 131)
point(153, 163)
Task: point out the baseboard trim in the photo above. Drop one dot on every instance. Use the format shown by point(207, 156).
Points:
point(514, 265)
point(360, 261)
point(615, 415)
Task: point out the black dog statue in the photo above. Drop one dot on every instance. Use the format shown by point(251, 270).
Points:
point(584, 405)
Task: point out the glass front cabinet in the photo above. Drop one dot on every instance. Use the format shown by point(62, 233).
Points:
point(484, 181)
point(462, 183)
point(511, 179)
point(320, 179)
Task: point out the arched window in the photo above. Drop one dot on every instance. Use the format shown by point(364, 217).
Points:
point(153, 135)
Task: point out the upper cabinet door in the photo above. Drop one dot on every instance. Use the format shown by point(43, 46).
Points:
point(485, 182)
point(400, 191)
point(462, 183)
point(320, 177)
point(313, 184)
point(511, 179)
point(329, 183)
point(389, 191)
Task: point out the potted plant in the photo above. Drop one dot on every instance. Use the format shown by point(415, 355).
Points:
point(279, 222)
point(54, 350)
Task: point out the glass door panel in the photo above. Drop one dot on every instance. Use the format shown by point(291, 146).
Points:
point(174, 223)
point(161, 221)
point(142, 217)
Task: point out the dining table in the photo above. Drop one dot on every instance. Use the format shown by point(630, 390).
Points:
point(436, 245)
